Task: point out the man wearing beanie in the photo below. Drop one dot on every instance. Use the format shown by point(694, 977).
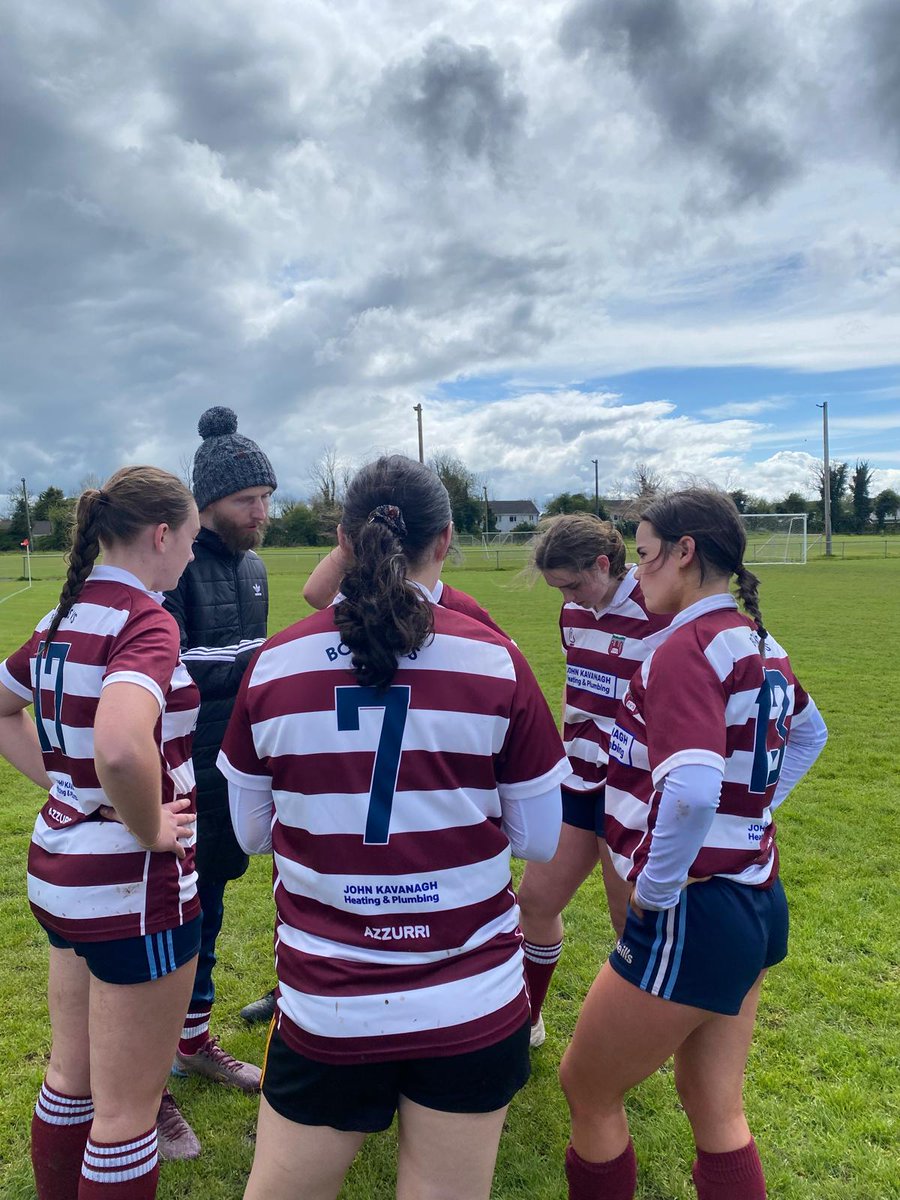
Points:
point(221, 605)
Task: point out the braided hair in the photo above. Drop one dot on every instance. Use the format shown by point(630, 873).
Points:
point(394, 509)
point(130, 500)
point(712, 520)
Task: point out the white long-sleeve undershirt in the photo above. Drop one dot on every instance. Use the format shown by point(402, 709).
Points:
point(690, 797)
point(688, 804)
point(804, 745)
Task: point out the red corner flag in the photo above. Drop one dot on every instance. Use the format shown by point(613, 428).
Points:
point(25, 543)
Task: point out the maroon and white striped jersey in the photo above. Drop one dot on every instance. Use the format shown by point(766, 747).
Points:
point(397, 926)
point(88, 878)
point(705, 697)
point(462, 602)
point(603, 650)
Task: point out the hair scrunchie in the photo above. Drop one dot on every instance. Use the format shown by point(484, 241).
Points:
point(390, 516)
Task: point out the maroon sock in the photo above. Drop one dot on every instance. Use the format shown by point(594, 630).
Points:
point(612, 1180)
point(126, 1170)
point(540, 963)
point(195, 1032)
point(735, 1175)
point(59, 1131)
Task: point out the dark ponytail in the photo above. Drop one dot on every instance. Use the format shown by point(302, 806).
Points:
point(748, 594)
point(116, 513)
point(394, 509)
point(713, 521)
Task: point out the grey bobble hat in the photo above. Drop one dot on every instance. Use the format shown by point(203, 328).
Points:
point(225, 461)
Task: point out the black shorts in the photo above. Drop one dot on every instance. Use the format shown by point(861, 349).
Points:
point(136, 959)
point(362, 1098)
point(585, 810)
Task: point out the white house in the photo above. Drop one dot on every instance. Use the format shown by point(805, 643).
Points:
point(510, 513)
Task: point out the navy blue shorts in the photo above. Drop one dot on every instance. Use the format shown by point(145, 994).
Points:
point(584, 810)
point(708, 950)
point(136, 959)
point(363, 1097)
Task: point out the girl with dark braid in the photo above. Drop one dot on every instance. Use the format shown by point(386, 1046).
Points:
point(712, 734)
point(110, 867)
point(392, 753)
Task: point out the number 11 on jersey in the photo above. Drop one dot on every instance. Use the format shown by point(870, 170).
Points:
point(349, 702)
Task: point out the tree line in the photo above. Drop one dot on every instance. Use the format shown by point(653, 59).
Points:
point(312, 522)
point(853, 508)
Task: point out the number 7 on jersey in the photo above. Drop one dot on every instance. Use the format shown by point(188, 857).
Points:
point(349, 701)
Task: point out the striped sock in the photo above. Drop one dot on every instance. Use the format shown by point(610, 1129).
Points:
point(540, 963)
point(735, 1175)
point(59, 1131)
point(195, 1032)
point(120, 1170)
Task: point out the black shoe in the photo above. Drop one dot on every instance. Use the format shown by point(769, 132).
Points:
point(260, 1010)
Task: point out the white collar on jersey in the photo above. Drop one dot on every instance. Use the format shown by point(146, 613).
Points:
point(625, 588)
point(434, 597)
point(698, 609)
point(621, 594)
point(103, 574)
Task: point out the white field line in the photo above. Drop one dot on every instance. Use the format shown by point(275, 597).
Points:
point(18, 593)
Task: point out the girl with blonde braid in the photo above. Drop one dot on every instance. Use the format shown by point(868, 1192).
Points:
point(712, 734)
point(110, 867)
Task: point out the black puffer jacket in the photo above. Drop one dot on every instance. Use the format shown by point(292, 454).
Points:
point(221, 605)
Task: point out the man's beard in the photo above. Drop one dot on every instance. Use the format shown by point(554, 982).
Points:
point(237, 538)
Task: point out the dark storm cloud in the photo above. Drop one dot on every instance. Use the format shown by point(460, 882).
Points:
point(456, 273)
point(458, 101)
point(879, 34)
point(704, 74)
point(234, 98)
point(456, 301)
point(292, 208)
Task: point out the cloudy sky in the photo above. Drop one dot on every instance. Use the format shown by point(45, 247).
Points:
point(629, 230)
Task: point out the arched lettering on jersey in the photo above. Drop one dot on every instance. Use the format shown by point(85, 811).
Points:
point(773, 698)
point(51, 664)
point(394, 701)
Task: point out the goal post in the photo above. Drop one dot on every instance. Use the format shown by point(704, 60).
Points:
point(775, 538)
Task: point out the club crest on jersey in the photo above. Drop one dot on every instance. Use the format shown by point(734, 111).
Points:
point(570, 637)
point(616, 645)
point(257, 589)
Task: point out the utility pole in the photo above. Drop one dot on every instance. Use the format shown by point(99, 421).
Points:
point(826, 480)
point(596, 487)
point(417, 409)
point(487, 520)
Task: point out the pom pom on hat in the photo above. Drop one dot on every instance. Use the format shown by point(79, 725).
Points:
point(217, 422)
point(225, 461)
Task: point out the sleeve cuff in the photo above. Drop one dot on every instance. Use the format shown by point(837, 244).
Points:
point(256, 783)
point(144, 681)
point(687, 758)
point(13, 685)
point(526, 788)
